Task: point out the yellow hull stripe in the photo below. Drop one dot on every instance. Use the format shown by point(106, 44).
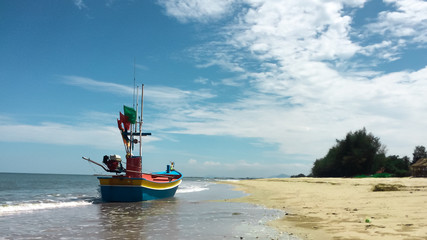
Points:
point(129, 182)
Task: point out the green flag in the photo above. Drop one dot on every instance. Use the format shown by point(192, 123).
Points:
point(130, 113)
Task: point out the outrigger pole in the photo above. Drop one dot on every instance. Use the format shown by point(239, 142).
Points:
point(89, 160)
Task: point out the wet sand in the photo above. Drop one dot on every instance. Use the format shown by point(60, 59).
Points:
point(338, 208)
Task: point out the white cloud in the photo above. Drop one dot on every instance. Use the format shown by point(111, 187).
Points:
point(93, 85)
point(197, 10)
point(84, 134)
point(80, 4)
point(192, 161)
point(409, 20)
point(62, 134)
point(201, 80)
point(385, 105)
point(109, 3)
point(211, 163)
point(169, 94)
point(290, 30)
point(142, 67)
point(159, 95)
point(399, 28)
point(305, 92)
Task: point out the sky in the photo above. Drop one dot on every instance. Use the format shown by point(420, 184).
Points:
point(244, 88)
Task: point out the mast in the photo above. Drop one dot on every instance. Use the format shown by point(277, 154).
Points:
point(141, 121)
point(134, 84)
point(134, 101)
point(134, 126)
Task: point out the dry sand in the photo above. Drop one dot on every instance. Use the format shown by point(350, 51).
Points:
point(338, 208)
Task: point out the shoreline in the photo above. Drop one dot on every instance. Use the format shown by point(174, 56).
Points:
point(342, 208)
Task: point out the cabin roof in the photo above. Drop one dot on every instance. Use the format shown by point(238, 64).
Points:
point(420, 163)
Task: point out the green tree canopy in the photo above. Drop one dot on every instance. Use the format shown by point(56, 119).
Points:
point(419, 152)
point(356, 154)
point(399, 167)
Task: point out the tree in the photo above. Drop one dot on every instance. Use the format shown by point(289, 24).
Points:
point(399, 167)
point(354, 155)
point(419, 152)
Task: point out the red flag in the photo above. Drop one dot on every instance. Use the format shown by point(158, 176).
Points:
point(119, 124)
point(125, 120)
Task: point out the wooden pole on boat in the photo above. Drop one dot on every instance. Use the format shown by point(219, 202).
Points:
point(141, 121)
point(134, 84)
point(134, 126)
point(133, 105)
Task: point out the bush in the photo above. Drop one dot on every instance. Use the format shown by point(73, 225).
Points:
point(298, 176)
point(382, 175)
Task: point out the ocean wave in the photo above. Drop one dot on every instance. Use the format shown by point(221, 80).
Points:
point(30, 207)
point(227, 180)
point(191, 189)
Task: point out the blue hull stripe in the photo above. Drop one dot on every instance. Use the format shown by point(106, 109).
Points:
point(134, 193)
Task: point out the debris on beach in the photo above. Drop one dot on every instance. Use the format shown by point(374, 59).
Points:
point(382, 187)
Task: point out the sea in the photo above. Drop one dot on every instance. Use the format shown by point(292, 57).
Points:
point(56, 206)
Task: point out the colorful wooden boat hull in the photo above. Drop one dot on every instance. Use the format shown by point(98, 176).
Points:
point(124, 189)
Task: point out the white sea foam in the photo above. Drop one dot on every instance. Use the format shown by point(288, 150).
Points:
point(30, 207)
point(193, 186)
point(190, 189)
point(227, 180)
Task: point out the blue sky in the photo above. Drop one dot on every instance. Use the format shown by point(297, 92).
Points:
point(245, 88)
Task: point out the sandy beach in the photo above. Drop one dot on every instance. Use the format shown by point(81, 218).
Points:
point(338, 208)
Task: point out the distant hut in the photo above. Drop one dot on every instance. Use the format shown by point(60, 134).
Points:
point(419, 169)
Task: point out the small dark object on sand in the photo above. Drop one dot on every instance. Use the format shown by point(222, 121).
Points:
point(382, 187)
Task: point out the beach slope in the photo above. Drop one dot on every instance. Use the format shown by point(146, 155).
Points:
point(344, 208)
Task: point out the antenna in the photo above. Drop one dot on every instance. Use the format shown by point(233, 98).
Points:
point(134, 83)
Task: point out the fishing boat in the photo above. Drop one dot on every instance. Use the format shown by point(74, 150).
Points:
point(130, 184)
